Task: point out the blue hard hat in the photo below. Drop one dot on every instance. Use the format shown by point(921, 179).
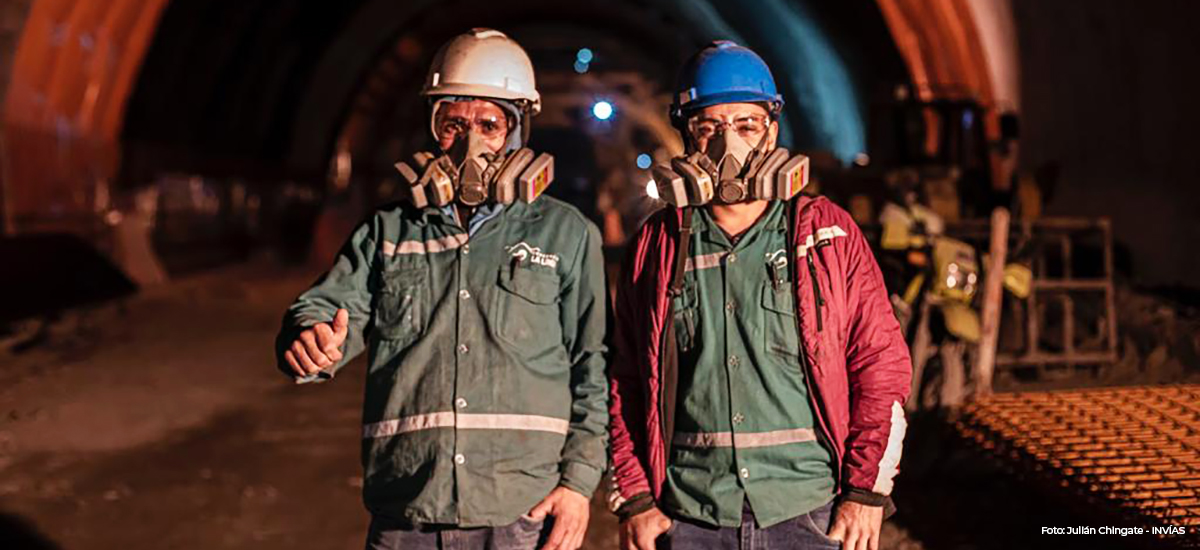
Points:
point(723, 72)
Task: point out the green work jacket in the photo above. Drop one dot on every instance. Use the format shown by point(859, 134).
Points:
point(485, 386)
point(745, 429)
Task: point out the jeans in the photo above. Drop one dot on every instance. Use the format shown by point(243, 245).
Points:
point(524, 534)
point(804, 532)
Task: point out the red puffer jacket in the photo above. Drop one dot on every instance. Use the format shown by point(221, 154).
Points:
point(859, 367)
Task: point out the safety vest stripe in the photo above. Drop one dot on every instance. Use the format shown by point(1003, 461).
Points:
point(512, 422)
point(890, 462)
point(744, 440)
point(431, 246)
point(705, 261)
point(408, 424)
point(708, 261)
point(822, 234)
point(615, 500)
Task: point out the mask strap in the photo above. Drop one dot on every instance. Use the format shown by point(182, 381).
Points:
point(682, 251)
point(761, 148)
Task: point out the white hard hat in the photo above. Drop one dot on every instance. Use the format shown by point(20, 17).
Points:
point(484, 63)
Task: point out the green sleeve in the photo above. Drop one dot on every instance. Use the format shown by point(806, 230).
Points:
point(347, 285)
point(584, 318)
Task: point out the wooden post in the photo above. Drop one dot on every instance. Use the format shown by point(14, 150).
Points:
point(920, 355)
point(954, 372)
point(993, 295)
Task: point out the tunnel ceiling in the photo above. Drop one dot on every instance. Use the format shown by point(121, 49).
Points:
point(262, 88)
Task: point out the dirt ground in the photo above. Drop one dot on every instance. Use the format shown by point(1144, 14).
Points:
point(161, 422)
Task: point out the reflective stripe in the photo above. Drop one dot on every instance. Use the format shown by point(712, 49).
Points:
point(408, 424)
point(890, 462)
point(769, 439)
point(512, 422)
point(742, 440)
point(822, 234)
point(430, 421)
point(615, 500)
point(721, 439)
point(830, 232)
point(705, 261)
point(431, 246)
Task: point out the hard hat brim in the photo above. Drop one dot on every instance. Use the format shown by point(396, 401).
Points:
point(735, 96)
point(484, 91)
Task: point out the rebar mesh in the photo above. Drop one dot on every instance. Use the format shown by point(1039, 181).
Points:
point(1131, 454)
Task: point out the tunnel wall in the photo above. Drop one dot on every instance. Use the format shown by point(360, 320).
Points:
point(998, 37)
point(13, 14)
point(1111, 93)
point(78, 66)
point(70, 80)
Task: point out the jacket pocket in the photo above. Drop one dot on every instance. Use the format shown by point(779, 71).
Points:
point(525, 314)
point(779, 319)
point(687, 317)
point(403, 304)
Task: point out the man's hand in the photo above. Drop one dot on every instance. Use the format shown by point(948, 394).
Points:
point(857, 526)
point(570, 511)
point(639, 532)
point(319, 346)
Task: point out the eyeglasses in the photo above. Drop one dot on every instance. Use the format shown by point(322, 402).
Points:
point(748, 126)
point(449, 126)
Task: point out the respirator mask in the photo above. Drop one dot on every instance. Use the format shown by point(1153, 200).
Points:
point(730, 170)
point(472, 174)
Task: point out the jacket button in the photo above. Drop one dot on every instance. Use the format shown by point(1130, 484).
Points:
point(732, 258)
point(464, 294)
point(738, 418)
point(460, 403)
point(460, 459)
point(463, 349)
point(744, 473)
point(732, 361)
point(466, 249)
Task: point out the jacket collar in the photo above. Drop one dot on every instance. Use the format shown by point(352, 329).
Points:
point(705, 227)
point(517, 211)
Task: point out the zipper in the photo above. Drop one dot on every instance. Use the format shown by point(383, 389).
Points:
point(662, 393)
point(683, 249)
point(816, 284)
point(814, 399)
point(823, 431)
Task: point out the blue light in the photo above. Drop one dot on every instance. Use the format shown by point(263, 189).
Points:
point(643, 161)
point(581, 67)
point(602, 110)
point(584, 55)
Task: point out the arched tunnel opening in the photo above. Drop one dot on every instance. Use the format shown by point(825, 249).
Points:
point(310, 107)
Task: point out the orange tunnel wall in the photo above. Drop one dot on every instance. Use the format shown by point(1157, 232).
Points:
point(77, 61)
point(73, 72)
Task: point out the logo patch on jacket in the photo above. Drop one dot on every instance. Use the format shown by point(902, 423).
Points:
point(525, 253)
point(778, 258)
